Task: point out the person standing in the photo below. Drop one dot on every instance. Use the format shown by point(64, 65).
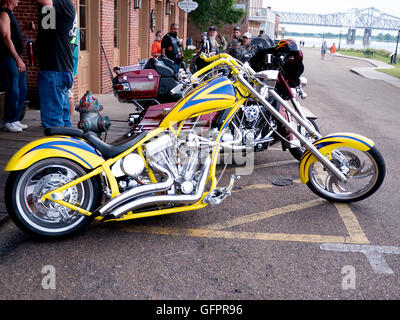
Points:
point(333, 50)
point(171, 46)
point(56, 66)
point(233, 47)
point(217, 41)
point(156, 46)
point(75, 57)
point(12, 67)
point(247, 48)
point(323, 50)
point(205, 45)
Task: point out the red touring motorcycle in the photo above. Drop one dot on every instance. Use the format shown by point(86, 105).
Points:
point(151, 82)
point(154, 90)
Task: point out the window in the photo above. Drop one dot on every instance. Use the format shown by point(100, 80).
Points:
point(83, 24)
point(116, 20)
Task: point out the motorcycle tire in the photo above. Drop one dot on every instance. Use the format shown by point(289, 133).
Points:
point(49, 220)
point(297, 153)
point(361, 183)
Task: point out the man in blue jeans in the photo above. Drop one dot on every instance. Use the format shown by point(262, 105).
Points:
point(55, 55)
point(12, 68)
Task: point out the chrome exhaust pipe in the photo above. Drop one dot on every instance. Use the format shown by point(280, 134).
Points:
point(130, 194)
point(165, 199)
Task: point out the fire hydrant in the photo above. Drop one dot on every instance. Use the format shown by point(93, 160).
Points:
point(90, 117)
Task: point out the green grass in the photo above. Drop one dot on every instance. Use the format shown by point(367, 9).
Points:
point(381, 55)
point(393, 72)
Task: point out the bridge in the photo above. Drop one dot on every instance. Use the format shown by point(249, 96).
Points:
point(371, 18)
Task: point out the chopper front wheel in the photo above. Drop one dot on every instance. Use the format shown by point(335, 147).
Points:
point(364, 170)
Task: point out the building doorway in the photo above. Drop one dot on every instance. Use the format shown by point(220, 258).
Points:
point(121, 32)
point(89, 47)
point(144, 30)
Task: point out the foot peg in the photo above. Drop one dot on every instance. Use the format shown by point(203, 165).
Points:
point(220, 194)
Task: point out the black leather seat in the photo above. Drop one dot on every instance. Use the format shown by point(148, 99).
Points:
point(161, 69)
point(63, 131)
point(107, 150)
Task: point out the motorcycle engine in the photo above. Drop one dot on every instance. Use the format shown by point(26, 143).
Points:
point(251, 113)
point(256, 131)
point(132, 165)
point(181, 157)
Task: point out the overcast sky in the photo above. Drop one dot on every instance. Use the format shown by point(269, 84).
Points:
point(391, 7)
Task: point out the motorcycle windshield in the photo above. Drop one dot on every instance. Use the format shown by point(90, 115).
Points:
point(214, 95)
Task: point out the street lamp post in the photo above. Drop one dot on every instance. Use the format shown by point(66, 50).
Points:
point(397, 44)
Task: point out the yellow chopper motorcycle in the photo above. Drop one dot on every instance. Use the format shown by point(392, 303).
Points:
point(58, 184)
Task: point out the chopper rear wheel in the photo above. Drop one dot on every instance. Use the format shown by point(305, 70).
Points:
point(48, 219)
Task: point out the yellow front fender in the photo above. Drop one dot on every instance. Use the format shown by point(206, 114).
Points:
point(72, 148)
point(327, 144)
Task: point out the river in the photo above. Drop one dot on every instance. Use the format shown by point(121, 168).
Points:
point(316, 42)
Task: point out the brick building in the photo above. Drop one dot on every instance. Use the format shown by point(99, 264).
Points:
point(127, 29)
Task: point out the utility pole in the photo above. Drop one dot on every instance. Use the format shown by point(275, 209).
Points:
point(397, 44)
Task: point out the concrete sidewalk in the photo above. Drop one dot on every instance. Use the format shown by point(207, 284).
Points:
point(371, 73)
point(12, 142)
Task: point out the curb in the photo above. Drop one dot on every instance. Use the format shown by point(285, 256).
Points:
point(371, 72)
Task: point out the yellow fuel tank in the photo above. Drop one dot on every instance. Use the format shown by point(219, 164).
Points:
point(214, 95)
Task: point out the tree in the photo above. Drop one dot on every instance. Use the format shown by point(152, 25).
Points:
point(215, 12)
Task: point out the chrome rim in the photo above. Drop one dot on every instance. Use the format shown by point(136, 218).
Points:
point(359, 168)
point(49, 216)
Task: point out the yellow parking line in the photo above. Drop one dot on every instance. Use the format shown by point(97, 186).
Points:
point(204, 233)
point(264, 215)
point(356, 234)
point(261, 186)
point(350, 221)
point(264, 165)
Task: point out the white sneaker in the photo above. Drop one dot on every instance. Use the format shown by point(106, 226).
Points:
point(10, 126)
point(21, 125)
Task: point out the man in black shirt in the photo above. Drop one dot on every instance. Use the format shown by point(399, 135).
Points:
point(12, 68)
point(55, 55)
point(171, 46)
point(234, 45)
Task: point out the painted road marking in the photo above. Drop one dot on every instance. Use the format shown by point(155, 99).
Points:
point(216, 230)
point(260, 186)
point(260, 166)
point(374, 254)
point(356, 234)
point(264, 165)
point(205, 233)
point(265, 214)
point(350, 221)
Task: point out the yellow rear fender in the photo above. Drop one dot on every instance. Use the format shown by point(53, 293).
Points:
point(327, 144)
point(72, 148)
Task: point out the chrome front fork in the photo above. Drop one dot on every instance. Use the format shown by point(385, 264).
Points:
point(308, 145)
